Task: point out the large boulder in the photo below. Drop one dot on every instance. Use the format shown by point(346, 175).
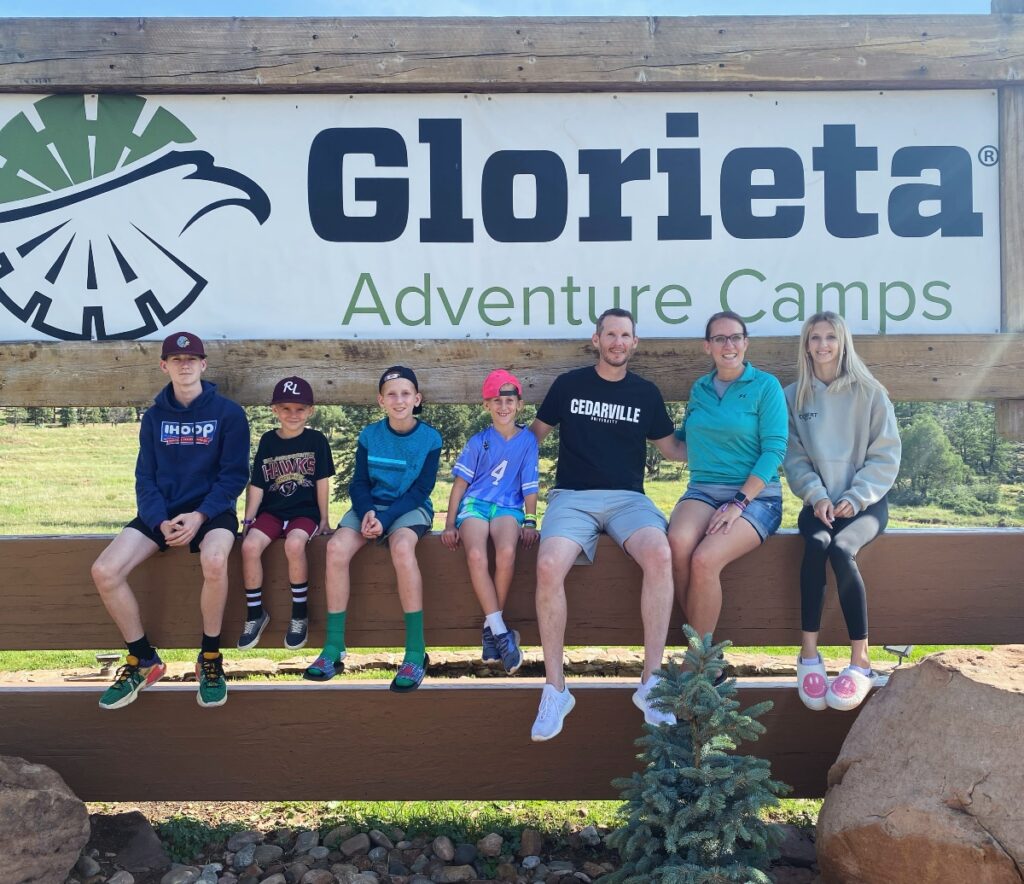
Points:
point(928, 786)
point(43, 826)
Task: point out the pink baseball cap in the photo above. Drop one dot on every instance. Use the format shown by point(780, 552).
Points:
point(498, 383)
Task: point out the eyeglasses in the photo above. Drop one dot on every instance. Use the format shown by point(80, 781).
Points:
point(719, 340)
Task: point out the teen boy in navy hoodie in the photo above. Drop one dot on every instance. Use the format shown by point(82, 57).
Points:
point(193, 463)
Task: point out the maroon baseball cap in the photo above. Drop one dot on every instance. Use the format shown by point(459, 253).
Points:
point(183, 343)
point(293, 389)
point(501, 383)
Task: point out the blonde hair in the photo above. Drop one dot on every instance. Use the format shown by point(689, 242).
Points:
point(852, 369)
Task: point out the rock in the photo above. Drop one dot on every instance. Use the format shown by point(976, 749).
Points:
point(927, 785)
point(243, 839)
point(294, 873)
point(318, 853)
point(138, 848)
point(379, 839)
point(531, 843)
point(87, 866)
point(797, 848)
point(561, 865)
point(531, 862)
point(121, 877)
point(317, 876)
point(443, 848)
point(43, 825)
point(593, 869)
point(465, 854)
point(333, 838)
point(490, 845)
point(791, 875)
point(277, 878)
point(451, 874)
point(265, 854)
point(305, 842)
point(355, 845)
point(245, 857)
point(590, 836)
point(505, 872)
point(181, 875)
point(378, 854)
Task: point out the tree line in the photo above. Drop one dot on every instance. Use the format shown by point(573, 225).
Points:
point(952, 455)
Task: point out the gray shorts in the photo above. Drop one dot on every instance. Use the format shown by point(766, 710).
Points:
point(418, 520)
point(581, 516)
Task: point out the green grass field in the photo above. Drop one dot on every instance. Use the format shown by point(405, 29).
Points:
point(81, 480)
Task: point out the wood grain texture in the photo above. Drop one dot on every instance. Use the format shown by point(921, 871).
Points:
point(1010, 413)
point(913, 367)
point(508, 54)
point(388, 746)
point(944, 587)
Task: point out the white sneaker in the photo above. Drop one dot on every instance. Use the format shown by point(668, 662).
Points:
point(642, 702)
point(554, 706)
point(848, 689)
point(812, 683)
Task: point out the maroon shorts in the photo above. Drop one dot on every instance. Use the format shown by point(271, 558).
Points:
point(275, 527)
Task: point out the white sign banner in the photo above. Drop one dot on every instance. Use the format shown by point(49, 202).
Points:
point(501, 216)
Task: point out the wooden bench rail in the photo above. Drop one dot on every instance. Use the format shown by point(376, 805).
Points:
point(921, 367)
point(359, 741)
point(926, 587)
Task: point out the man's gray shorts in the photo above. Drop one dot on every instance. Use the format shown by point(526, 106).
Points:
point(581, 516)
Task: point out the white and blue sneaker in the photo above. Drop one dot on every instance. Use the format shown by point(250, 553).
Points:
point(508, 647)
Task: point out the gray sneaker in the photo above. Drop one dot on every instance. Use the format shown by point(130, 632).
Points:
point(252, 631)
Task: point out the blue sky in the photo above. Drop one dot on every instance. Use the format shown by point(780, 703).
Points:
point(484, 7)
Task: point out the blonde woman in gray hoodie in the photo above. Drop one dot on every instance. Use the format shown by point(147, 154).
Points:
point(843, 457)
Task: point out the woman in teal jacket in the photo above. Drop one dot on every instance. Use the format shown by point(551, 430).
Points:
point(735, 430)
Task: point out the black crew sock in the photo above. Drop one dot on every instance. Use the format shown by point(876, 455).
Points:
point(300, 592)
point(211, 644)
point(142, 649)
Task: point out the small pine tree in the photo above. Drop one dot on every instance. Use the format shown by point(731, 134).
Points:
point(692, 813)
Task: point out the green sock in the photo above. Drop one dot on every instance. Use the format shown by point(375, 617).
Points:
point(415, 645)
point(335, 646)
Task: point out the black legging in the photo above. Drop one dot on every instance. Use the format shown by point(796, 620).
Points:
point(840, 545)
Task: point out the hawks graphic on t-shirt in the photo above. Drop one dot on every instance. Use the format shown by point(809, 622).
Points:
point(290, 472)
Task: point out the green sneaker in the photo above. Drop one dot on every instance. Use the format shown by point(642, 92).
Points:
point(130, 679)
point(213, 688)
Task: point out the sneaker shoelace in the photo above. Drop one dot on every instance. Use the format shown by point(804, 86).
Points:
point(549, 707)
point(212, 669)
point(125, 672)
point(251, 627)
point(296, 625)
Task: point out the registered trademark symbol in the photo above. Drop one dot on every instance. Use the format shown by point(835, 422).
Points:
point(988, 155)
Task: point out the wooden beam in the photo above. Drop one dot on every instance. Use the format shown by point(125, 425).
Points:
point(913, 367)
point(1010, 413)
point(388, 746)
point(926, 587)
point(508, 54)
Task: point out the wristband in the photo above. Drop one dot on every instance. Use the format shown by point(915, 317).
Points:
point(530, 522)
point(248, 521)
point(738, 503)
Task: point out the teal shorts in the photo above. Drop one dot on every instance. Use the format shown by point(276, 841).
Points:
point(474, 508)
point(418, 520)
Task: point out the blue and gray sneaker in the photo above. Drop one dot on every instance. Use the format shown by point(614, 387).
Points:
point(508, 647)
point(298, 633)
point(252, 631)
point(490, 653)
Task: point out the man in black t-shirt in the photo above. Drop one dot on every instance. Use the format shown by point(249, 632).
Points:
point(606, 414)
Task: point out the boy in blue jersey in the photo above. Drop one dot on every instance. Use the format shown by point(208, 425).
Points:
point(495, 495)
point(396, 467)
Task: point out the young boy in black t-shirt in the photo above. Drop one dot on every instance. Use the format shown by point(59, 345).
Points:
point(287, 497)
